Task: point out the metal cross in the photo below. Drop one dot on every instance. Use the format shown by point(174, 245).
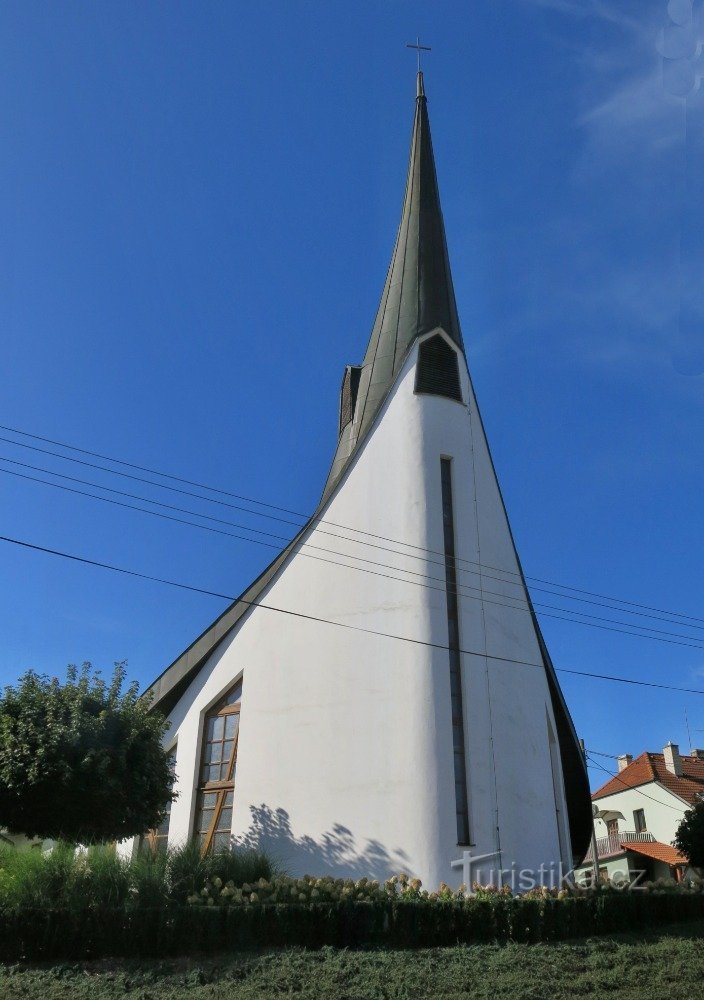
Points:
point(419, 48)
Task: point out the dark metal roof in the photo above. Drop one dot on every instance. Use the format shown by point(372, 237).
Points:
point(418, 295)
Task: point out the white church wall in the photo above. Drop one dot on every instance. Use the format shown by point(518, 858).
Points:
point(345, 749)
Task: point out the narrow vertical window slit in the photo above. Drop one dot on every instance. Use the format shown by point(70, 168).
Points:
point(461, 799)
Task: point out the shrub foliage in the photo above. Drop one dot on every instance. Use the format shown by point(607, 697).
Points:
point(399, 923)
point(81, 761)
point(72, 904)
point(690, 835)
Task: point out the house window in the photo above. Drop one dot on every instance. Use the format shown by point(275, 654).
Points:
point(612, 828)
point(216, 778)
point(639, 820)
point(158, 838)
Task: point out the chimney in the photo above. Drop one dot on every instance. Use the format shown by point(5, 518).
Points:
point(673, 761)
point(624, 760)
point(698, 754)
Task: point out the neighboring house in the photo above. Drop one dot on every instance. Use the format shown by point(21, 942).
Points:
point(638, 811)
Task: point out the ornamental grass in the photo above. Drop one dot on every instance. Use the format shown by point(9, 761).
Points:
point(98, 878)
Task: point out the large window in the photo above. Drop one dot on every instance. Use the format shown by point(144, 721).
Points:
point(158, 838)
point(216, 779)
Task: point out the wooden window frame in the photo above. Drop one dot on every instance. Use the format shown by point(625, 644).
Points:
point(223, 785)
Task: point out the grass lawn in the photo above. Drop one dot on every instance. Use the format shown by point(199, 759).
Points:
point(669, 964)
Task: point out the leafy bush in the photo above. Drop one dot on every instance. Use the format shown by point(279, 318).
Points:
point(689, 838)
point(70, 904)
point(82, 761)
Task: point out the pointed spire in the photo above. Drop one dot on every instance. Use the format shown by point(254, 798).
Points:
point(418, 295)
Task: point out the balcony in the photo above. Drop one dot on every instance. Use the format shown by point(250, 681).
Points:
point(608, 846)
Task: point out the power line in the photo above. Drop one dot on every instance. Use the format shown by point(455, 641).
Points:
point(480, 572)
point(631, 788)
point(624, 680)
point(603, 597)
point(326, 621)
point(282, 538)
point(567, 614)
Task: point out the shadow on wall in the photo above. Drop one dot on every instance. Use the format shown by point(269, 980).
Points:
point(334, 853)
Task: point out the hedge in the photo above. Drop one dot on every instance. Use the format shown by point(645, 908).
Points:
point(48, 935)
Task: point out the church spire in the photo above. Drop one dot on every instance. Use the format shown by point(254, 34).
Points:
point(418, 295)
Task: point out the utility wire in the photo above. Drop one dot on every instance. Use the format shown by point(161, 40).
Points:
point(462, 590)
point(516, 583)
point(326, 621)
point(631, 788)
point(567, 614)
point(251, 500)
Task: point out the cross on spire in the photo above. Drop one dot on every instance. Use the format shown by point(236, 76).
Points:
point(419, 48)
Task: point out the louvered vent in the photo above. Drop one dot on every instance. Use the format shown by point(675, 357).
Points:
point(437, 371)
point(348, 395)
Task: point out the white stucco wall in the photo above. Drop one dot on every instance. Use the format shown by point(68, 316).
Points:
point(345, 752)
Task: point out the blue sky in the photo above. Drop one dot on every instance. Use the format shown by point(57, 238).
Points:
point(199, 202)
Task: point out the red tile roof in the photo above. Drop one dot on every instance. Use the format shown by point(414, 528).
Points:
point(651, 767)
point(657, 851)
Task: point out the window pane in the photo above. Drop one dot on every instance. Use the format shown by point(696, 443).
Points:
point(228, 798)
point(209, 800)
point(235, 695)
point(231, 724)
point(206, 818)
point(227, 749)
point(218, 728)
point(225, 821)
point(215, 753)
point(221, 841)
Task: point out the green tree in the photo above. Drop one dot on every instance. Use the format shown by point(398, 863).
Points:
point(81, 761)
point(689, 838)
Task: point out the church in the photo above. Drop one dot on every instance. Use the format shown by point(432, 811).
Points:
point(381, 698)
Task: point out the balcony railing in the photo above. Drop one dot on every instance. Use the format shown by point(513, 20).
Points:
point(607, 846)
